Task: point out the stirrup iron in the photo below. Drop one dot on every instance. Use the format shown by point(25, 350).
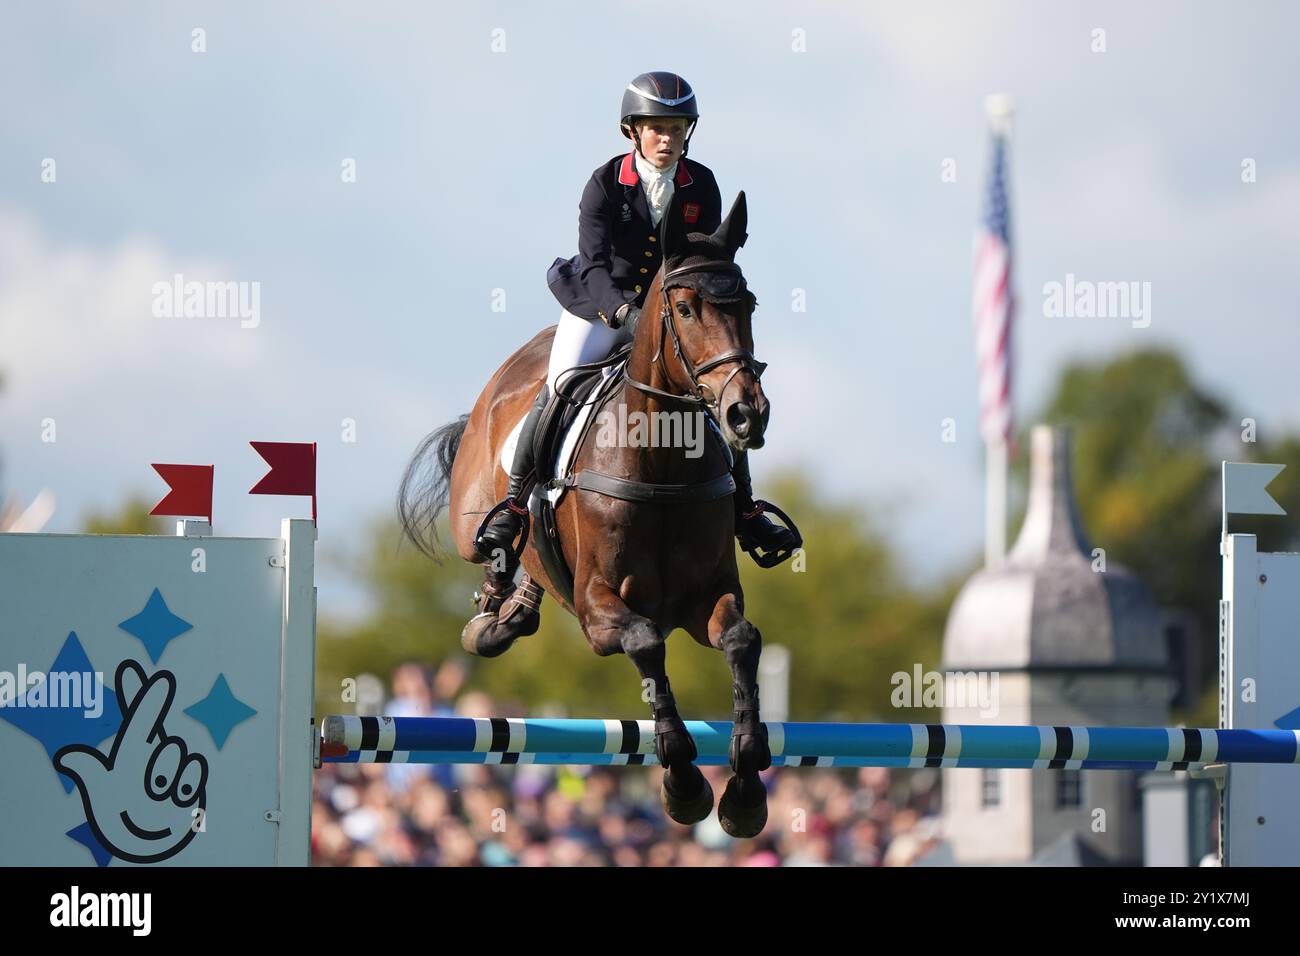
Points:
point(771, 559)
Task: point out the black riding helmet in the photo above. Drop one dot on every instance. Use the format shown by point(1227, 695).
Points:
point(658, 94)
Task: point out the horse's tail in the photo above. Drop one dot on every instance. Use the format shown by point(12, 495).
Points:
point(426, 485)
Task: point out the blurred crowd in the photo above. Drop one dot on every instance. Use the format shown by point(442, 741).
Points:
point(531, 815)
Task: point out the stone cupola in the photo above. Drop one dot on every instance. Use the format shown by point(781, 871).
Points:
point(1050, 604)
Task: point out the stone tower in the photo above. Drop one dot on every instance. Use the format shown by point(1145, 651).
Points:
point(1072, 641)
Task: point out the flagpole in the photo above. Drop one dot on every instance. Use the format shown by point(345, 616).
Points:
point(1000, 109)
point(995, 503)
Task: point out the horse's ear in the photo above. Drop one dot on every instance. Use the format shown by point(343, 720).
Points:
point(731, 232)
point(672, 229)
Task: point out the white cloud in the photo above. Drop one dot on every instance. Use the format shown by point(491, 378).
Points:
point(79, 346)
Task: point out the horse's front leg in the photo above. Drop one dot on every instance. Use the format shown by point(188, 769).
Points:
point(742, 811)
point(610, 628)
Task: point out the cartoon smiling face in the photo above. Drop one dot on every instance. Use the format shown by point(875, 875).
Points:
point(145, 799)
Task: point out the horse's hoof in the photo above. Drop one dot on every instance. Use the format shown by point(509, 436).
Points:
point(484, 638)
point(690, 810)
point(474, 630)
point(489, 635)
point(737, 819)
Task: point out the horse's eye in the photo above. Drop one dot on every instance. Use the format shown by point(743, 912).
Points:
point(683, 309)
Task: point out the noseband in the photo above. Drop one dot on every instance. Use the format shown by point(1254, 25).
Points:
point(717, 281)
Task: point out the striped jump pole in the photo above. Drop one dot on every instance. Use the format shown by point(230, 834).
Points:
point(515, 740)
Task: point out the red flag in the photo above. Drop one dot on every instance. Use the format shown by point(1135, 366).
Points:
point(293, 470)
point(191, 490)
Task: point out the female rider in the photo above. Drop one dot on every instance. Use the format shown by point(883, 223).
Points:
point(603, 287)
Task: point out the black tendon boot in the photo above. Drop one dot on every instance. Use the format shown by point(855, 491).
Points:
point(767, 543)
point(509, 519)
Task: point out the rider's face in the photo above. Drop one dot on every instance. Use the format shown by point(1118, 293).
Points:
point(662, 139)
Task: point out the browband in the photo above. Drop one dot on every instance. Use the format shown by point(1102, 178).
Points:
point(719, 281)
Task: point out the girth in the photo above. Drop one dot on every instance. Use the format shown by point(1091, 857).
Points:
point(629, 490)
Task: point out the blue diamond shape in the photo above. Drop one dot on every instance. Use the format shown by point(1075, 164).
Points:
point(220, 711)
point(156, 626)
point(1289, 721)
point(56, 727)
point(85, 835)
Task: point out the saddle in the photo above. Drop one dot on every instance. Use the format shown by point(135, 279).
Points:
point(587, 385)
point(575, 388)
point(582, 385)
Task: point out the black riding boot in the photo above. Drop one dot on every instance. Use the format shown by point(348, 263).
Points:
point(500, 534)
point(767, 543)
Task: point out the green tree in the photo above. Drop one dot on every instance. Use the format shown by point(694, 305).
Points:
point(132, 518)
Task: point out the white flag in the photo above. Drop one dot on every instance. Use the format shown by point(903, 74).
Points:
point(1244, 487)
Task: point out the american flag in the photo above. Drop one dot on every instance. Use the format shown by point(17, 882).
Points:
point(993, 303)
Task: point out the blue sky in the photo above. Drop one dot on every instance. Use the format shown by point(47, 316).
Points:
point(376, 296)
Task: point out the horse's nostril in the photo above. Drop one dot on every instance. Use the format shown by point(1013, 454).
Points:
point(738, 417)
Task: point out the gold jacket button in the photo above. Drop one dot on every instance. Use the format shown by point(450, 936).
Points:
point(649, 253)
point(644, 270)
point(653, 239)
point(638, 288)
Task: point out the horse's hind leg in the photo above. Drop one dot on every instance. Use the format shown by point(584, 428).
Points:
point(742, 811)
point(501, 621)
point(506, 612)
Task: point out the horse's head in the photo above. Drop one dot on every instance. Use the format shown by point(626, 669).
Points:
point(703, 313)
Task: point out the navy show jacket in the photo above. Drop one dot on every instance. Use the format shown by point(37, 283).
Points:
point(618, 247)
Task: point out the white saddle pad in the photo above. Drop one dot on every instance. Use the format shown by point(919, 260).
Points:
point(568, 445)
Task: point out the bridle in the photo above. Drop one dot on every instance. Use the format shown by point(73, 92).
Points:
point(728, 283)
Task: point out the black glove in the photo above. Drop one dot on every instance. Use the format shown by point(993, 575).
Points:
point(630, 317)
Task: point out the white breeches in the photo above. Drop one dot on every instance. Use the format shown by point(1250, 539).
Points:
point(578, 341)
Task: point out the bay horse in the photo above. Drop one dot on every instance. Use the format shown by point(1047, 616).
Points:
point(641, 567)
